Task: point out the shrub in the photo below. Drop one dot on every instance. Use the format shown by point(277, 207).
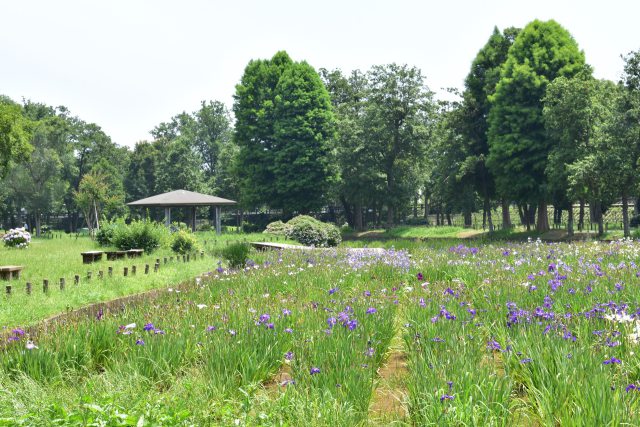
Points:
point(17, 238)
point(236, 254)
point(310, 231)
point(140, 235)
point(205, 227)
point(183, 242)
point(278, 228)
point(178, 226)
point(105, 234)
point(634, 221)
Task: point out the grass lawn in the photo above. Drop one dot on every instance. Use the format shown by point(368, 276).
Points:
point(58, 258)
point(416, 232)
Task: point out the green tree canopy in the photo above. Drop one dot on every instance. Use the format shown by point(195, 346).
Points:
point(518, 143)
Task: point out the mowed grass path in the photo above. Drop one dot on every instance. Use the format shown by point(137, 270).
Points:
point(58, 258)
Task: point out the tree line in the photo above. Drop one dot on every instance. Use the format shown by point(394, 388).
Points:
point(531, 128)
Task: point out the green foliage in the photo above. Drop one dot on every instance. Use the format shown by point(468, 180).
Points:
point(277, 228)
point(14, 135)
point(284, 128)
point(518, 143)
point(236, 254)
point(310, 231)
point(183, 242)
point(179, 167)
point(106, 233)
point(138, 234)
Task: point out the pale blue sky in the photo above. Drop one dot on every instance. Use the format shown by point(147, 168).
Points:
point(128, 65)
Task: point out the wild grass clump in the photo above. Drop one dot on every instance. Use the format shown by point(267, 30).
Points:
point(236, 254)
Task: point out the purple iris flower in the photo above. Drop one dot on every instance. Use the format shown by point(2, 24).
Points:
point(612, 361)
point(493, 345)
point(264, 318)
point(139, 342)
point(371, 310)
point(148, 327)
point(314, 371)
point(446, 397)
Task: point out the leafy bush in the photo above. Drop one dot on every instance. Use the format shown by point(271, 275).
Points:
point(636, 234)
point(236, 254)
point(634, 221)
point(104, 235)
point(278, 228)
point(140, 235)
point(205, 227)
point(248, 227)
point(17, 238)
point(310, 231)
point(178, 226)
point(183, 242)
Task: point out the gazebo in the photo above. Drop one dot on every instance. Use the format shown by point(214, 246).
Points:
point(181, 199)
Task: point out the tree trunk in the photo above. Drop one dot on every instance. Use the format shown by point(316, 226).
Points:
point(581, 216)
point(506, 215)
point(597, 213)
point(570, 221)
point(532, 214)
point(389, 217)
point(449, 218)
point(522, 214)
point(426, 209)
point(357, 217)
point(487, 209)
point(468, 219)
point(625, 215)
point(543, 217)
point(37, 217)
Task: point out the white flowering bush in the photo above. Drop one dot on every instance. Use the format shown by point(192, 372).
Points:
point(17, 238)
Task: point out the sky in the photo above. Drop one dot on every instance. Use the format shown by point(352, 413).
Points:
point(129, 65)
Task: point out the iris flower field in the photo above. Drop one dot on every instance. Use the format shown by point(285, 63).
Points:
point(498, 334)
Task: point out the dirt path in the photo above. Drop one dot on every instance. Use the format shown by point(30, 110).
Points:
point(388, 403)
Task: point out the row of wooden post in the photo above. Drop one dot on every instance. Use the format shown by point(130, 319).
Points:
point(125, 273)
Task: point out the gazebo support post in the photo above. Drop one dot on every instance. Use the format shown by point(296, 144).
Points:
point(193, 219)
point(167, 216)
point(218, 223)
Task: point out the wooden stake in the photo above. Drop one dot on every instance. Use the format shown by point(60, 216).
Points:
point(28, 288)
point(8, 289)
point(126, 271)
point(133, 270)
point(62, 283)
point(45, 286)
point(146, 268)
point(76, 279)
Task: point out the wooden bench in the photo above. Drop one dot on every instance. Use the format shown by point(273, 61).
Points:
point(8, 272)
point(135, 253)
point(114, 255)
point(91, 256)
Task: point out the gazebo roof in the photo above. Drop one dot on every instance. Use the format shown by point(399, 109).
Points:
point(182, 198)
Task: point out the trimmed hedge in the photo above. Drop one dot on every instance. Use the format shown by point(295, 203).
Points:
point(310, 231)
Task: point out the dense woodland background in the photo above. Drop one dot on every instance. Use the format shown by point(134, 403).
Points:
point(532, 129)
